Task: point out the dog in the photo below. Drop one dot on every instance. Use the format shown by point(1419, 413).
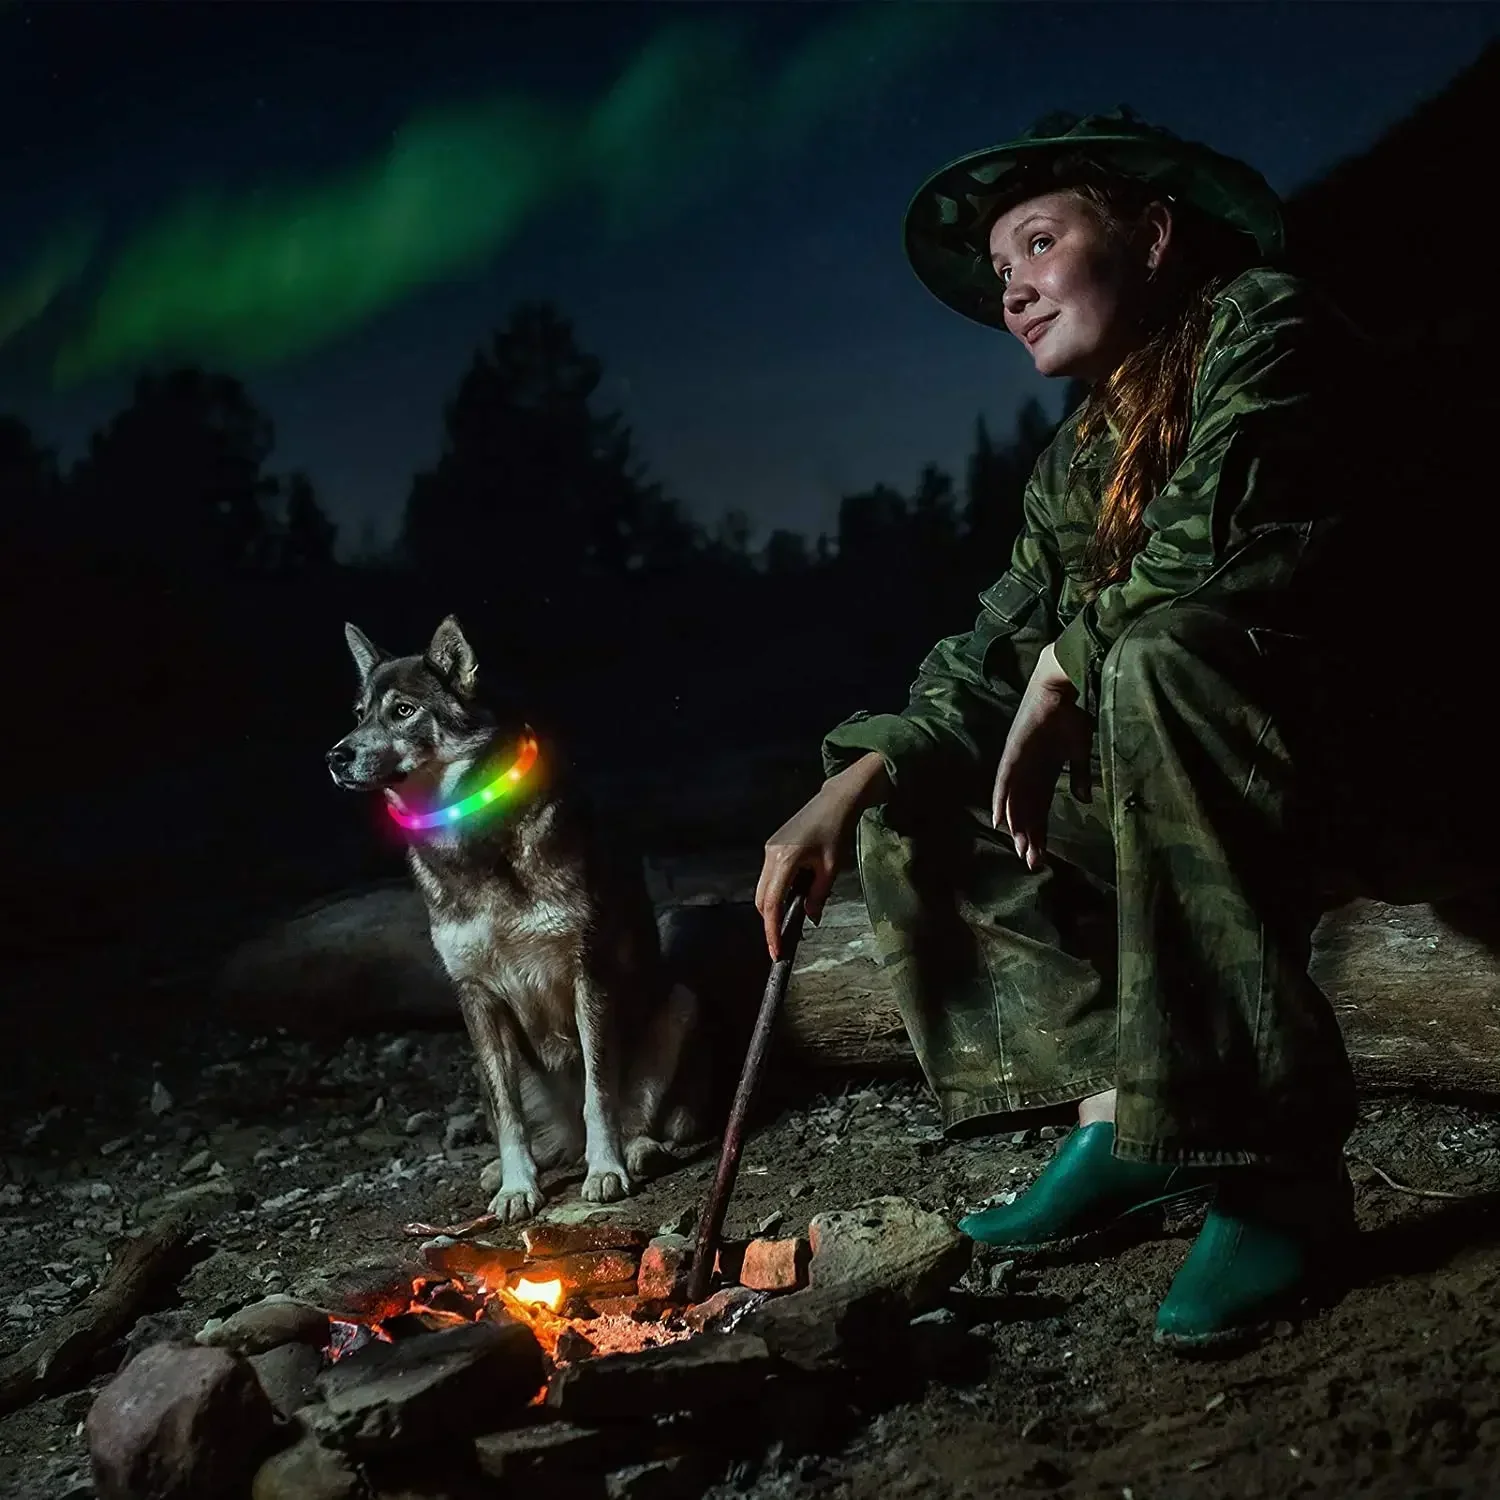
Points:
point(542, 921)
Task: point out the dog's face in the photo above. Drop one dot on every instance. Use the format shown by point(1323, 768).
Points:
point(417, 718)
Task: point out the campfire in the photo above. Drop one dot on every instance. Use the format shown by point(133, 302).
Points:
point(574, 1353)
point(578, 1291)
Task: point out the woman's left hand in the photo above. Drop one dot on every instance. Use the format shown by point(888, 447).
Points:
point(1049, 731)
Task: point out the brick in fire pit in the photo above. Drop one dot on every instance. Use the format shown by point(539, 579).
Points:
point(491, 1264)
point(775, 1265)
point(573, 1239)
point(664, 1268)
point(587, 1271)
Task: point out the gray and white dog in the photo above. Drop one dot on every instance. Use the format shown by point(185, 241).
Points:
point(543, 923)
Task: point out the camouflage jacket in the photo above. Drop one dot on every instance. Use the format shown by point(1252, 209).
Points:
point(1247, 521)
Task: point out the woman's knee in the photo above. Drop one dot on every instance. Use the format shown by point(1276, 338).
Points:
point(1182, 652)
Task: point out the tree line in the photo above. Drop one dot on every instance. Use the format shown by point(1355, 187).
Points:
point(530, 467)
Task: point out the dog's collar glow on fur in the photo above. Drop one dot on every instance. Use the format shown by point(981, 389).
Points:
point(500, 787)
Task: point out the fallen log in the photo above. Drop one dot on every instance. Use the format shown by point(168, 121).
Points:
point(143, 1275)
point(1418, 997)
point(1416, 988)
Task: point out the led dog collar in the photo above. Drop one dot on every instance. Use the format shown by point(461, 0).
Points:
point(501, 786)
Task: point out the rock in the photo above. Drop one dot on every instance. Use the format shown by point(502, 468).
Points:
point(422, 1119)
point(379, 1141)
point(888, 1242)
point(677, 1478)
point(490, 1264)
point(466, 1129)
point(944, 1350)
point(197, 1162)
point(457, 1382)
point(818, 1329)
point(180, 1422)
point(288, 1374)
point(174, 1325)
point(775, 1265)
point(306, 1471)
point(369, 1289)
point(665, 1264)
point(203, 1199)
point(279, 1201)
point(697, 1375)
point(588, 1271)
point(721, 1312)
point(265, 1324)
point(572, 1345)
point(579, 1212)
point(545, 1239)
point(873, 1268)
point(399, 1053)
point(489, 1178)
point(548, 1452)
point(161, 1100)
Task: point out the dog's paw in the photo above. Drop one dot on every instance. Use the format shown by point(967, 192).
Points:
point(516, 1204)
point(645, 1157)
point(606, 1184)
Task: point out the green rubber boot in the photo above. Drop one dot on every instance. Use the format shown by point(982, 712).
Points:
point(1083, 1192)
point(1270, 1247)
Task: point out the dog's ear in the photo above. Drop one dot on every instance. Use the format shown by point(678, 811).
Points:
point(453, 657)
point(367, 655)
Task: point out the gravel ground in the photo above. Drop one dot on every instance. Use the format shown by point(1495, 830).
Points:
point(305, 1155)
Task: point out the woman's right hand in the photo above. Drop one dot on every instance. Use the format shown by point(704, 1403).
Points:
point(814, 838)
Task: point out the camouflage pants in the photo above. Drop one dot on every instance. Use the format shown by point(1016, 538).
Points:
point(1164, 950)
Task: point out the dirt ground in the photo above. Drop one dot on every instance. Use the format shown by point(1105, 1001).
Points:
point(306, 1156)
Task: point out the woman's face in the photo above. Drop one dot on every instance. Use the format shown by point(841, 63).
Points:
point(1073, 289)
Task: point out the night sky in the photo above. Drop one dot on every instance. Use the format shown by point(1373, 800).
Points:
point(338, 202)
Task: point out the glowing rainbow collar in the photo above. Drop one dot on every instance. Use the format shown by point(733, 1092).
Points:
point(498, 788)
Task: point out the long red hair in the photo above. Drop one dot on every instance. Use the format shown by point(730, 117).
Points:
point(1148, 397)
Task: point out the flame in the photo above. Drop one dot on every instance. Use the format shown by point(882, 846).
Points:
point(548, 1293)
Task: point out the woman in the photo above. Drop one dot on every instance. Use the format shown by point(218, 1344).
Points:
point(1140, 711)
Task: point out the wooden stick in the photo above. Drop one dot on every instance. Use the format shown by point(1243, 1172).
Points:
point(147, 1268)
point(712, 1222)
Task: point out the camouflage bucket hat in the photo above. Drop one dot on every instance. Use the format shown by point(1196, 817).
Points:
point(947, 224)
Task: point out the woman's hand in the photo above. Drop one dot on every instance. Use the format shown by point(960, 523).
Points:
point(1050, 730)
point(813, 838)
